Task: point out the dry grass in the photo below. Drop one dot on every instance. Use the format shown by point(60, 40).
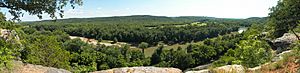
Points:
point(288, 64)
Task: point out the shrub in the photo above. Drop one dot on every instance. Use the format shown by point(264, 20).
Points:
point(249, 53)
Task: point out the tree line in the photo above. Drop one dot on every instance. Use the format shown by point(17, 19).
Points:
point(144, 32)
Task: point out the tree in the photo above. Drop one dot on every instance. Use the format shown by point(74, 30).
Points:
point(9, 50)
point(249, 53)
point(100, 39)
point(189, 48)
point(157, 55)
point(182, 60)
point(6, 56)
point(285, 17)
point(37, 7)
point(143, 46)
point(2, 17)
point(115, 41)
point(45, 50)
point(74, 45)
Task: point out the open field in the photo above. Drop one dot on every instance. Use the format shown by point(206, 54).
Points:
point(148, 51)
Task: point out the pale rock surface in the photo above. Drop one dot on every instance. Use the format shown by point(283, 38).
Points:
point(201, 71)
point(141, 70)
point(223, 69)
point(19, 67)
point(283, 42)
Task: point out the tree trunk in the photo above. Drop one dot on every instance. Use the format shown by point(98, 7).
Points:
point(143, 50)
point(295, 34)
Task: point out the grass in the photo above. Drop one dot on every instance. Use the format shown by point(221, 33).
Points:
point(106, 41)
point(286, 65)
point(148, 51)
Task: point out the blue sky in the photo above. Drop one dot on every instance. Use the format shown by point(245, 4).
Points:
point(172, 8)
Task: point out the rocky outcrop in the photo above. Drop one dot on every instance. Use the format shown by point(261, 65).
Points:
point(282, 43)
point(8, 34)
point(201, 71)
point(223, 69)
point(230, 69)
point(201, 67)
point(141, 70)
point(287, 38)
point(19, 67)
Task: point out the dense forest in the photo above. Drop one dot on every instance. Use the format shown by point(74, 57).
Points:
point(149, 29)
point(48, 43)
point(209, 40)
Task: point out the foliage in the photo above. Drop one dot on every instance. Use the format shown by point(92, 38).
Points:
point(196, 53)
point(2, 17)
point(6, 55)
point(48, 43)
point(10, 46)
point(249, 53)
point(46, 50)
point(149, 29)
point(157, 56)
point(178, 59)
point(115, 41)
point(8, 25)
point(143, 46)
point(37, 7)
point(74, 45)
point(296, 46)
point(284, 17)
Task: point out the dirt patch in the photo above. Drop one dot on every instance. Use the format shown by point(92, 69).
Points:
point(95, 42)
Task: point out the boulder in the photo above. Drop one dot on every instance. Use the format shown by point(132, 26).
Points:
point(201, 71)
point(141, 70)
point(284, 42)
point(19, 67)
point(230, 69)
point(201, 67)
point(223, 69)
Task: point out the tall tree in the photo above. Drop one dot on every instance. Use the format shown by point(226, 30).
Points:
point(143, 46)
point(37, 7)
point(285, 17)
point(157, 55)
point(46, 50)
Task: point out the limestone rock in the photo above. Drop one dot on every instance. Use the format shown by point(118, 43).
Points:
point(19, 67)
point(284, 42)
point(223, 69)
point(201, 71)
point(287, 37)
point(141, 70)
point(230, 69)
point(201, 67)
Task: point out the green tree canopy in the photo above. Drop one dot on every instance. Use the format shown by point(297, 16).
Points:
point(46, 50)
point(143, 46)
point(285, 17)
point(2, 17)
point(37, 7)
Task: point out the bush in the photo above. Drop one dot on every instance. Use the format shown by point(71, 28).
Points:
point(46, 50)
point(249, 53)
point(296, 46)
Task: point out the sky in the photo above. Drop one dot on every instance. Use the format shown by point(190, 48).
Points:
point(170, 8)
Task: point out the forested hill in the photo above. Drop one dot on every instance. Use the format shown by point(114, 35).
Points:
point(145, 28)
point(151, 20)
